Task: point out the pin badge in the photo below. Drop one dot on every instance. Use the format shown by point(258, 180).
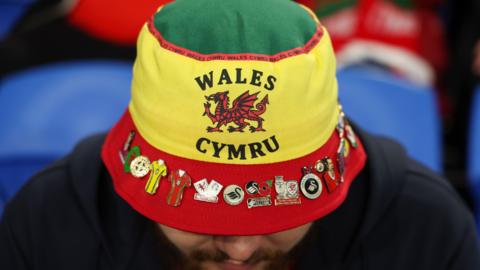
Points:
point(179, 180)
point(158, 170)
point(265, 188)
point(346, 151)
point(132, 153)
point(201, 186)
point(287, 192)
point(126, 146)
point(259, 202)
point(252, 188)
point(310, 185)
point(341, 158)
point(122, 157)
point(351, 136)
point(341, 124)
point(233, 195)
point(320, 166)
point(140, 166)
point(329, 176)
point(207, 192)
point(128, 142)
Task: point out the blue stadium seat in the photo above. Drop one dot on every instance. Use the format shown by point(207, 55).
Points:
point(10, 12)
point(386, 105)
point(46, 110)
point(473, 166)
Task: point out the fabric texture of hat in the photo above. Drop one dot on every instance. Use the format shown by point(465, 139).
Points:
point(234, 127)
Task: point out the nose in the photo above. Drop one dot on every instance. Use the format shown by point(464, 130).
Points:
point(238, 248)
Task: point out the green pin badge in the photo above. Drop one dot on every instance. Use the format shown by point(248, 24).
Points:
point(132, 153)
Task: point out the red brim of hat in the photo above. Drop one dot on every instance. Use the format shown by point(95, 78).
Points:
point(221, 218)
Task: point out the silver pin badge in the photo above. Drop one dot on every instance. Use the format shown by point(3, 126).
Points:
point(233, 195)
point(341, 158)
point(320, 166)
point(310, 185)
point(140, 166)
point(287, 192)
point(259, 202)
point(341, 124)
point(351, 136)
point(207, 192)
point(128, 142)
point(126, 146)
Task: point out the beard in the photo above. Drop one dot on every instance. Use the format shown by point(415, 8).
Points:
point(269, 259)
point(263, 259)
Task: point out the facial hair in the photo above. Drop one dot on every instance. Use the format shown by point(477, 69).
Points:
point(274, 260)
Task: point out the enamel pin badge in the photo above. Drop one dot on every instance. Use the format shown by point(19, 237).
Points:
point(132, 153)
point(126, 146)
point(331, 182)
point(252, 188)
point(262, 192)
point(310, 184)
point(341, 157)
point(140, 166)
point(351, 136)
point(287, 192)
point(233, 195)
point(179, 180)
point(207, 192)
point(265, 188)
point(259, 201)
point(158, 170)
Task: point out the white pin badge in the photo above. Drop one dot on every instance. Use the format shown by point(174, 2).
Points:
point(140, 166)
point(233, 195)
point(207, 192)
point(287, 192)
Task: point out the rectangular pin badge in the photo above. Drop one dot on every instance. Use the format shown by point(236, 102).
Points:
point(259, 202)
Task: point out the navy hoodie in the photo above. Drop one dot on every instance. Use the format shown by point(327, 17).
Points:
point(398, 216)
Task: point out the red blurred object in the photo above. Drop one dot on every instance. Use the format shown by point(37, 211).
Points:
point(312, 4)
point(409, 39)
point(117, 21)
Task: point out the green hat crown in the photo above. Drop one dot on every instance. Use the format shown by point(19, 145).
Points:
point(264, 27)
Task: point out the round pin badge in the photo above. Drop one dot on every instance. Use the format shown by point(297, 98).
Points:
point(265, 188)
point(233, 195)
point(311, 186)
point(320, 166)
point(140, 166)
point(252, 188)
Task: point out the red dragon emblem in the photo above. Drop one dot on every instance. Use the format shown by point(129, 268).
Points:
point(241, 110)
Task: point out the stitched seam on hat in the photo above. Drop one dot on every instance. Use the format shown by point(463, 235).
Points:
point(314, 40)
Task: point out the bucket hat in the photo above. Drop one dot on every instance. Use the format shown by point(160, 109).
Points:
point(234, 125)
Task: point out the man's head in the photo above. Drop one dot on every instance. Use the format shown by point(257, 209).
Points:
point(234, 128)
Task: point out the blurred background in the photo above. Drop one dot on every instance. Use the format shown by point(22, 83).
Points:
point(407, 69)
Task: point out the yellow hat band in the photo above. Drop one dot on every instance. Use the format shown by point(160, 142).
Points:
point(234, 111)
